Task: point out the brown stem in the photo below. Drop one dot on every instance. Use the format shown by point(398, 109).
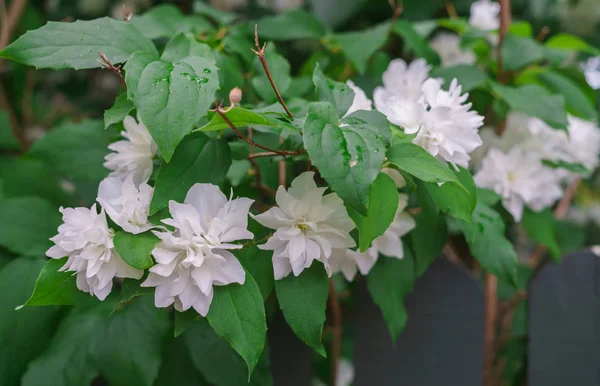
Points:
point(104, 62)
point(491, 308)
point(541, 36)
point(397, 9)
point(223, 115)
point(505, 17)
point(260, 53)
point(256, 168)
point(263, 154)
point(336, 330)
point(451, 10)
point(282, 169)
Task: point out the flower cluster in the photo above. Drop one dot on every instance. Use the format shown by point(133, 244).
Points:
point(442, 120)
point(85, 238)
point(514, 165)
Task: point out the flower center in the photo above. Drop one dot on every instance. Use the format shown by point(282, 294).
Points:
point(303, 227)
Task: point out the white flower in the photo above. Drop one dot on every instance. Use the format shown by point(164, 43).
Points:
point(484, 15)
point(447, 45)
point(308, 226)
point(406, 79)
point(520, 179)
point(449, 128)
point(584, 142)
point(360, 102)
point(388, 244)
point(86, 239)
point(134, 154)
point(399, 110)
point(126, 204)
point(395, 175)
point(591, 70)
point(194, 257)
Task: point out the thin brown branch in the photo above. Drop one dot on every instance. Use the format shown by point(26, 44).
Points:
point(263, 154)
point(219, 110)
point(491, 309)
point(105, 63)
point(397, 9)
point(336, 331)
point(127, 13)
point(260, 53)
point(282, 169)
point(505, 18)
point(27, 102)
point(450, 9)
point(541, 36)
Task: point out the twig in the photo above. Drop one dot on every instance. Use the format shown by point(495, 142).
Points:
point(219, 110)
point(336, 316)
point(127, 13)
point(397, 9)
point(260, 53)
point(451, 10)
point(505, 17)
point(541, 36)
point(282, 169)
point(263, 154)
point(10, 20)
point(491, 308)
point(257, 175)
point(104, 62)
point(27, 103)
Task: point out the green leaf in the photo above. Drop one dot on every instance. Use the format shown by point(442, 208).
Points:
point(188, 167)
point(218, 363)
point(458, 200)
point(488, 196)
point(258, 263)
point(24, 334)
point(534, 101)
point(167, 20)
point(239, 117)
point(177, 367)
point(231, 74)
point(171, 97)
point(27, 177)
point(130, 289)
point(418, 162)
point(7, 138)
point(416, 43)
point(429, 235)
point(76, 45)
point(184, 45)
point(56, 288)
point(541, 227)
point(136, 249)
point(63, 146)
point(68, 361)
point(468, 76)
point(237, 314)
point(348, 157)
point(118, 111)
point(389, 281)
point(359, 46)
point(337, 93)
point(576, 99)
point(383, 203)
point(217, 15)
point(127, 349)
point(295, 24)
point(518, 52)
point(27, 225)
point(565, 41)
point(572, 167)
point(279, 67)
point(185, 319)
point(303, 300)
point(133, 71)
point(488, 244)
point(24, 177)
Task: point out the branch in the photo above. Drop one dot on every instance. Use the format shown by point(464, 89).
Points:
point(397, 9)
point(491, 310)
point(505, 17)
point(260, 53)
point(105, 63)
point(336, 330)
point(250, 142)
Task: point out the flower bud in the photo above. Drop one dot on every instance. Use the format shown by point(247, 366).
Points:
point(235, 96)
